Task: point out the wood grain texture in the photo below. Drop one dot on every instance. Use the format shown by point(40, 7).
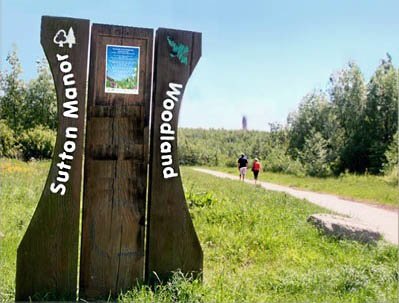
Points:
point(172, 242)
point(48, 253)
point(115, 182)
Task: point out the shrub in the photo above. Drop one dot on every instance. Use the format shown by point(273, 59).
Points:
point(279, 162)
point(8, 147)
point(314, 156)
point(37, 143)
point(203, 199)
point(275, 161)
point(188, 155)
point(231, 162)
point(392, 176)
point(295, 167)
point(390, 168)
point(391, 154)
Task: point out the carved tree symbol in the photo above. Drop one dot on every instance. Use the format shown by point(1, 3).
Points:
point(60, 38)
point(70, 38)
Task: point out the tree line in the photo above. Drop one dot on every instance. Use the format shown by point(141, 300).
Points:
point(352, 125)
point(28, 111)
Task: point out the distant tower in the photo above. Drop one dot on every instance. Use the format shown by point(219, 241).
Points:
point(244, 123)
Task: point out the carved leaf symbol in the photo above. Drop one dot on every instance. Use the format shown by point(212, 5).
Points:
point(179, 50)
point(171, 42)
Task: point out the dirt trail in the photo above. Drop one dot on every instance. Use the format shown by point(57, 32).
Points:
point(386, 221)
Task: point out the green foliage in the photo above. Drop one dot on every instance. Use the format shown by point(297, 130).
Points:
point(391, 153)
point(355, 125)
point(381, 112)
point(203, 199)
point(24, 106)
point(351, 129)
point(390, 168)
point(180, 288)
point(348, 129)
point(13, 93)
point(279, 162)
point(37, 143)
point(27, 111)
point(41, 100)
point(8, 146)
point(311, 115)
point(190, 152)
point(223, 147)
point(348, 97)
point(354, 121)
point(314, 155)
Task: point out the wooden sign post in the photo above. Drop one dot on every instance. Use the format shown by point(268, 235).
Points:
point(115, 202)
point(47, 258)
point(172, 243)
point(115, 179)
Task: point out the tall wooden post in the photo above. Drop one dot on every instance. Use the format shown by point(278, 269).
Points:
point(47, 258)
point(115, 180)
point(172, 243)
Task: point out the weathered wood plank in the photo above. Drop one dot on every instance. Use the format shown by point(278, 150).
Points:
point(172, 243)
point(48, 253)
point(115, 180)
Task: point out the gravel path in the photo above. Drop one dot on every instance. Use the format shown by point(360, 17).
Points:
point(386, 221)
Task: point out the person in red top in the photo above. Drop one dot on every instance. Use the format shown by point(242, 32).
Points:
point(256, 167)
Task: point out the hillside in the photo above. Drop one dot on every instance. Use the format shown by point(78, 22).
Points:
point(222, 147)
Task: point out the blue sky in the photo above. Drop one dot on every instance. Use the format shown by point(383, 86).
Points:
point(259, 57)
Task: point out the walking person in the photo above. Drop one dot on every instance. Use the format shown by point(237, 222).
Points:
point(242, 166)
point(256, 167)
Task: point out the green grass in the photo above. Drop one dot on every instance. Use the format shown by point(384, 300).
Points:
point(257, 246)
point(363, 188)
point(20, 187)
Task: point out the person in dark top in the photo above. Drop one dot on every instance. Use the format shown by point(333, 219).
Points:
point(242, 166)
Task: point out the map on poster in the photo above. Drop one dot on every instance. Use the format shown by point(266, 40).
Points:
point(122, 69)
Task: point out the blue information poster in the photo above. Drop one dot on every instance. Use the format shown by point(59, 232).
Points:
point(122, 69)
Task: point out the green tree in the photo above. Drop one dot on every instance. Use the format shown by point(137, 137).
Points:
point(391, 154)
point(8, 146)
point(381, 112)
point(13, 93)
point(312, 114)
point(41, 101)
point(348, 96)
point(314, 155)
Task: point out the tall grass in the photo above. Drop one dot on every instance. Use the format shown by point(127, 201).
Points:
point(21, 184)
point(368, 188)
point(257, 246)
